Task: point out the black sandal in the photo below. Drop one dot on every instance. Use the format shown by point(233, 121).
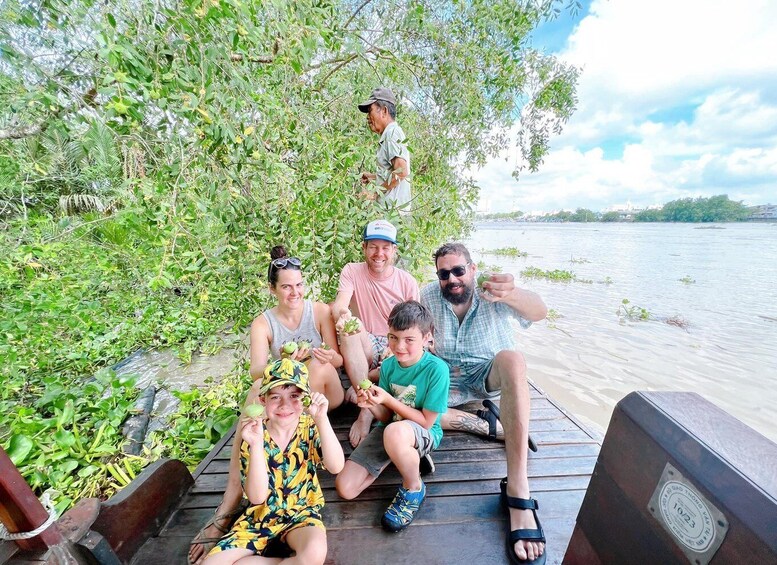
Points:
point(491, 415)
point(514, 536)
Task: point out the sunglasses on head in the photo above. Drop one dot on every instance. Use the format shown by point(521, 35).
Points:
point(282, 262)
point(457, 271)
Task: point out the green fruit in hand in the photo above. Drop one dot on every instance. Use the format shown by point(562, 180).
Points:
point(254, 411)
point(483, 277)
point(365, 384)
point(352, 326)
point(303, 344)
point(289, 348)
point(325, 346)
point(306, 401)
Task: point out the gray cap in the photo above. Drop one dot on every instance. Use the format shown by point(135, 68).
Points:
point(380, 93)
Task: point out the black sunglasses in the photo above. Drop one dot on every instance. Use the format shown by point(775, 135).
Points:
point(282, 262)
point(457, 271)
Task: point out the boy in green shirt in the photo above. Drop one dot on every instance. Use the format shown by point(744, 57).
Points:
point(410, 397)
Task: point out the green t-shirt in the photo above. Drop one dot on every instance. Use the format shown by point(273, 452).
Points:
point(422, 385)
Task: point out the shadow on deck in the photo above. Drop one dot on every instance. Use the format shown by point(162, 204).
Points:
point(461, 520)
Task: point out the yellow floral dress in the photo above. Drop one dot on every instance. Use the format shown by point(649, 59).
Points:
point(295, 499)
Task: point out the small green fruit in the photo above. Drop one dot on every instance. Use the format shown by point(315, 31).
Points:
point(289, 348)
point(254, 411)
point(303, 344)
point(365, 384)
point(483, 277)
point(306, 401)
point(325, 346)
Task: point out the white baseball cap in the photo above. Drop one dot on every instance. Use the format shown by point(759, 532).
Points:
point(380, 229)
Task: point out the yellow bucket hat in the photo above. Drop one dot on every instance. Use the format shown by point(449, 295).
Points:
point(285, 372)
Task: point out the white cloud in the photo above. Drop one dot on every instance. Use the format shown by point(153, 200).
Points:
point(683, 88)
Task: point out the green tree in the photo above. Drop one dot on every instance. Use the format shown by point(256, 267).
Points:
point(610, 217)
point(152, 152)
point(651, 215)
point(583, 215)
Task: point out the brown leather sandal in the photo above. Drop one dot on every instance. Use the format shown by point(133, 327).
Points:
point(209, 542)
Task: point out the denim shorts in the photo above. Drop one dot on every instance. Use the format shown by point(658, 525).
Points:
point(371, 454)
point(470, 385)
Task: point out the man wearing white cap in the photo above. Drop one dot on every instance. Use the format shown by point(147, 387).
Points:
point(369, 290)
point(393, 157)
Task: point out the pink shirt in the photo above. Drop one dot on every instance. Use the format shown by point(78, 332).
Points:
point(375, 298)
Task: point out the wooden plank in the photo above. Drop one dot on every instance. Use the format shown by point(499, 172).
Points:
point(560, 467)
point(472, 542)
point(556, 435)
point(211, 499)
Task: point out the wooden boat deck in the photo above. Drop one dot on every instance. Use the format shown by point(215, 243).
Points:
point(461, 521)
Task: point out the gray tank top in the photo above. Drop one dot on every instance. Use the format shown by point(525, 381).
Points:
point(281, 334)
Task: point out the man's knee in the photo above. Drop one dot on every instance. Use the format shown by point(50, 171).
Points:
point(510, 362)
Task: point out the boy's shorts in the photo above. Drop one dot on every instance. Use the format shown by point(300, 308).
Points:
point(379, 347)
point(470, 385)
point(371, 454)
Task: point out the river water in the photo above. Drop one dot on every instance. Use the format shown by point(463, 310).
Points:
point(589, 357)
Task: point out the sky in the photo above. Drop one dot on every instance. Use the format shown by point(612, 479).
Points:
point(675, 100)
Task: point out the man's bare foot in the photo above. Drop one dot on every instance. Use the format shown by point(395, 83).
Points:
point(361, 427)
point(350, 395)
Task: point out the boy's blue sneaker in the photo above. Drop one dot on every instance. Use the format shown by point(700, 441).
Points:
point(403, 509)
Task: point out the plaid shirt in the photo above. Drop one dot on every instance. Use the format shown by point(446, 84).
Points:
point(485, 331)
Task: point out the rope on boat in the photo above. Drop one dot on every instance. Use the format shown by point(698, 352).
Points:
point(46, 502)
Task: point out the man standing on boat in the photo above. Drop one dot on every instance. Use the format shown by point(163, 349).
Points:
point(393, 158)
point(473, 334)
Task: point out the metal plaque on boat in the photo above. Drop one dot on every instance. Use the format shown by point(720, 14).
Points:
point(694, 522)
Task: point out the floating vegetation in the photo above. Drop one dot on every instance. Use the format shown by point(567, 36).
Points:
point(585, 281)
point(551, 318)
point(483, 266)
point(679, 322)
point(606, 280)
point(687, 280)
point(506, 251)
point(556, 275)
point(578, 260)
point(553, 315)
point(633, 312)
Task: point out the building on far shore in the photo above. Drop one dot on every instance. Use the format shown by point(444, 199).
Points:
point(763, 212)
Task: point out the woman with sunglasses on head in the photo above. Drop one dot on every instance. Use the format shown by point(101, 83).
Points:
point(296, 319)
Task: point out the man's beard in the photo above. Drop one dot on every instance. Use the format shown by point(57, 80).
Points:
point(462, 298)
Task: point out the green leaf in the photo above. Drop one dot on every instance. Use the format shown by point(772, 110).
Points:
point(64, 438)
point(19, 448)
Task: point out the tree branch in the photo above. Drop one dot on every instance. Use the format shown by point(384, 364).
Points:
point(356, 13)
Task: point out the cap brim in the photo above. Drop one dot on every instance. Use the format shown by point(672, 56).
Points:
point(381, 237)
point(272, 384)
point(365, 106)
